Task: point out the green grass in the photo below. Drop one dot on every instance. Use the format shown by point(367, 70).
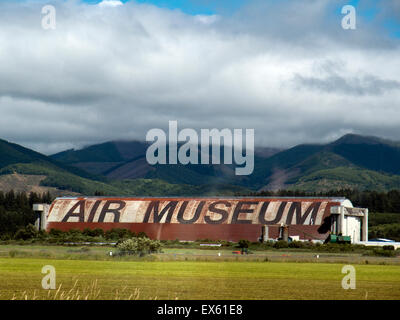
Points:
point(193, 252)
point(197, 280)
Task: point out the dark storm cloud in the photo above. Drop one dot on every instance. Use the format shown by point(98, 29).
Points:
point(284, 68)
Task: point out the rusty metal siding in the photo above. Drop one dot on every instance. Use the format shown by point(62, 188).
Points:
point(164, 231)
point(193, 218)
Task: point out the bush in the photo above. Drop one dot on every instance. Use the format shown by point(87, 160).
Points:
point(74, 232)
point(139, 246)
point(206, 240)
point(42, 235)
point(117, 234)
point(281, 244)
point(266, 245)
point(225, 243)
point(56, 232)
point(93, 232)
point(389, 231)
point(243, 243)
point(141, 234)
point(29, 232)
point(340, 247)
point(296, 244)
point(383, 253)
point(6, 237)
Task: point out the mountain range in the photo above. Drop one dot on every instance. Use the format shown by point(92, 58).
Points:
point(120, 168)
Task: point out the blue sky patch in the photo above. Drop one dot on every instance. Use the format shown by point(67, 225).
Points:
point(193, 7)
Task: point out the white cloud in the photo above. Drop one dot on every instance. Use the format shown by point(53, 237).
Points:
point(113, 74)
point(207, 19)
point(110, 3)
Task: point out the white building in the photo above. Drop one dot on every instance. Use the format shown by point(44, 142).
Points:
point(349, 221)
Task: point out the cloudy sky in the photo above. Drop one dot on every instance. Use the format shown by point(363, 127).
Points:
point(114, 70)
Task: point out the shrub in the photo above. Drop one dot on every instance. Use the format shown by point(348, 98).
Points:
point(206, 240)
point(243, 243)
point(339, 247)
point(93, 232)
point(266, 245)
point(173, 242)
point(72, 235)
point(56, 232)
point(296, 244)
point(383, 253)
point(281, 244)
point(98, 232)
point(141, 234)
point(42, 235)
point(380, 252)
point(5, 237)
point(139, 246)
point(26, 233)
point(87, 232)
point(74, 232)
point(225, 243)
point(118, 233)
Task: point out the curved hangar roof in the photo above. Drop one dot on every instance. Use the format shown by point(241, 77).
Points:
point(245, 210)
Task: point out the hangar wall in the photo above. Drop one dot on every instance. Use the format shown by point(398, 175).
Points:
point(222, 218)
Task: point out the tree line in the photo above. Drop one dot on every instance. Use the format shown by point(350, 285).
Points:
point(16, 210)
point(375, 201)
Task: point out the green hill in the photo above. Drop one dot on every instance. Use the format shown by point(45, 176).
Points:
point(126, 160)
point(120, 168)
point(346, 177)
point(17, 161)
point(353, 160)
point(59, 178)
point(101, 158)
point(371, 153)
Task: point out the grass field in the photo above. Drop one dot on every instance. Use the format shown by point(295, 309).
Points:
point(96, 252)
point(21, 278)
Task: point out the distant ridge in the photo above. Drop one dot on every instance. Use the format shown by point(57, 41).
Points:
point(309, 167)
point(120, 168)
point(25, 170)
